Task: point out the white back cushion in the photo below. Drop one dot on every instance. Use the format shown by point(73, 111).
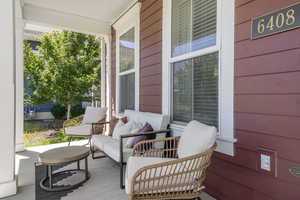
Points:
point(157, 121)
point(196, 138)
point(93, 115)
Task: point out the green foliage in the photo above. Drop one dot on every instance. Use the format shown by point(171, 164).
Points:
point(64, 70)
point(77, 110)
point(59, 111)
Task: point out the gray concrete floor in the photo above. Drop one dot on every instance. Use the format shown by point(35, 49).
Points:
point(103, 184)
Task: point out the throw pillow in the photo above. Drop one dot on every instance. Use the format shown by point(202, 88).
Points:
point(125, 129)
point(196, 138)
point(117, 128)
point(134, 140)
point(113, 122)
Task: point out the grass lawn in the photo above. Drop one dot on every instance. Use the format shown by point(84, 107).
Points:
point(38, 133)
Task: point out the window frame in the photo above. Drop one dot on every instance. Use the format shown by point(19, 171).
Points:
point(130, 20)
point(225, 46)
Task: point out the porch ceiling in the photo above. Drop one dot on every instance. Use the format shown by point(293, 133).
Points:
point(90, 16)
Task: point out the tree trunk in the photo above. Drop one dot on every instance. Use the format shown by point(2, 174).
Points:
point(69, 111)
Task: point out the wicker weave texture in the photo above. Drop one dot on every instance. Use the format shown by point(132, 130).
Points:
point(179, 179)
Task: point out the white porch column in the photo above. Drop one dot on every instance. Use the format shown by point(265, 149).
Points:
point(108, 41)
point(7, 100)
point(19, 27)
point(103, 73)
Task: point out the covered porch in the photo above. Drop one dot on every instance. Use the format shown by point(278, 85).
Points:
point(17, 177)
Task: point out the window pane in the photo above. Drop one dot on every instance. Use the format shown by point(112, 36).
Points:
point(182, 91)
point(195, 90)
point(206, 89)
point(127, 47)
point(127, 92)
point(193, 25)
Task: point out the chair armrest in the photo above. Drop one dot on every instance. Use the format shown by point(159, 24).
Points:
point(98, 127)
point(98, 123)
point(145, 148)
point(182, 174)
point(138, 134)
point(145, 133)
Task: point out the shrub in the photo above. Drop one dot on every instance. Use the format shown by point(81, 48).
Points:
point(59, 111)
point(77, 110)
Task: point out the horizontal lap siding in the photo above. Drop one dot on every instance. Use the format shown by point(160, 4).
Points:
point(151, 56)
point(267, 111)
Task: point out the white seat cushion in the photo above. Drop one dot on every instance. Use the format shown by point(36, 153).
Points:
point(112, 149)
point(136, 163)
point(84, 130)
point(196, 138)
point(100, 140)
point(93, 115)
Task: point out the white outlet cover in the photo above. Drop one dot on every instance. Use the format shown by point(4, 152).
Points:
point(265, 162)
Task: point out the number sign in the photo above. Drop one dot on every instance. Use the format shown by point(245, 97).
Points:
point(276, 22)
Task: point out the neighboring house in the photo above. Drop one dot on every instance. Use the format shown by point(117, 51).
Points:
point(184, 61)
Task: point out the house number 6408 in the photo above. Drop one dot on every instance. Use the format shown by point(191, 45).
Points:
point(277, 21)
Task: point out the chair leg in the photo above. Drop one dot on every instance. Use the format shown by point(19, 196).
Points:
point(93, 153)
point(121, 176)
point(90, 141)
point(70, 139)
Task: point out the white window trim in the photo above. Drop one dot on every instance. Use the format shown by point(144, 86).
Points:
point(130, 20)
point(225, 46)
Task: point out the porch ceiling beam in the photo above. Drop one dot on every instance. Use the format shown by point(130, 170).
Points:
point(56, 19)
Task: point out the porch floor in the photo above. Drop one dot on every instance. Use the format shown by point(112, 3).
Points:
point(103, 184)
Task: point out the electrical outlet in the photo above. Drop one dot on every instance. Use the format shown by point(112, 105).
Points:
point(265, 162)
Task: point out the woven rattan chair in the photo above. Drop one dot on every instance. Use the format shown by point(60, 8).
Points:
point(168, 177)
point(91, 123)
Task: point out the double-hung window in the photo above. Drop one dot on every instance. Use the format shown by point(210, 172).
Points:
point(127, 61)
point(199, 61)
point(195, 80)
point(127, 70)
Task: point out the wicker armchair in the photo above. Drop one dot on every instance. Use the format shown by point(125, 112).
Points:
point(82, 127)
point(168, 177)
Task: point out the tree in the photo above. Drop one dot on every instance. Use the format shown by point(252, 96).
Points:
point(64, 70)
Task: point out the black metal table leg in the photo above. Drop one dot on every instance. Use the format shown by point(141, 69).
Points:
point(86, 168)
point(50, 176)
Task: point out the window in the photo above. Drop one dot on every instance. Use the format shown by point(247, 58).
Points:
point(193, 25)
point(195, 90)
point(127, 76)
point(198, 50)
point(127, 60)
point(195, 80)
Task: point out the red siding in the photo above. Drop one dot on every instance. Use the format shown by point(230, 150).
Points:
point(267, 102)
point(267, 111)
point(151, 56)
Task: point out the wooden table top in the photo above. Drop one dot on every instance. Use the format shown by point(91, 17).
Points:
point(63, 154)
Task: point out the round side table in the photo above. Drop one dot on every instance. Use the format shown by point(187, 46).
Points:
point(61, 156)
